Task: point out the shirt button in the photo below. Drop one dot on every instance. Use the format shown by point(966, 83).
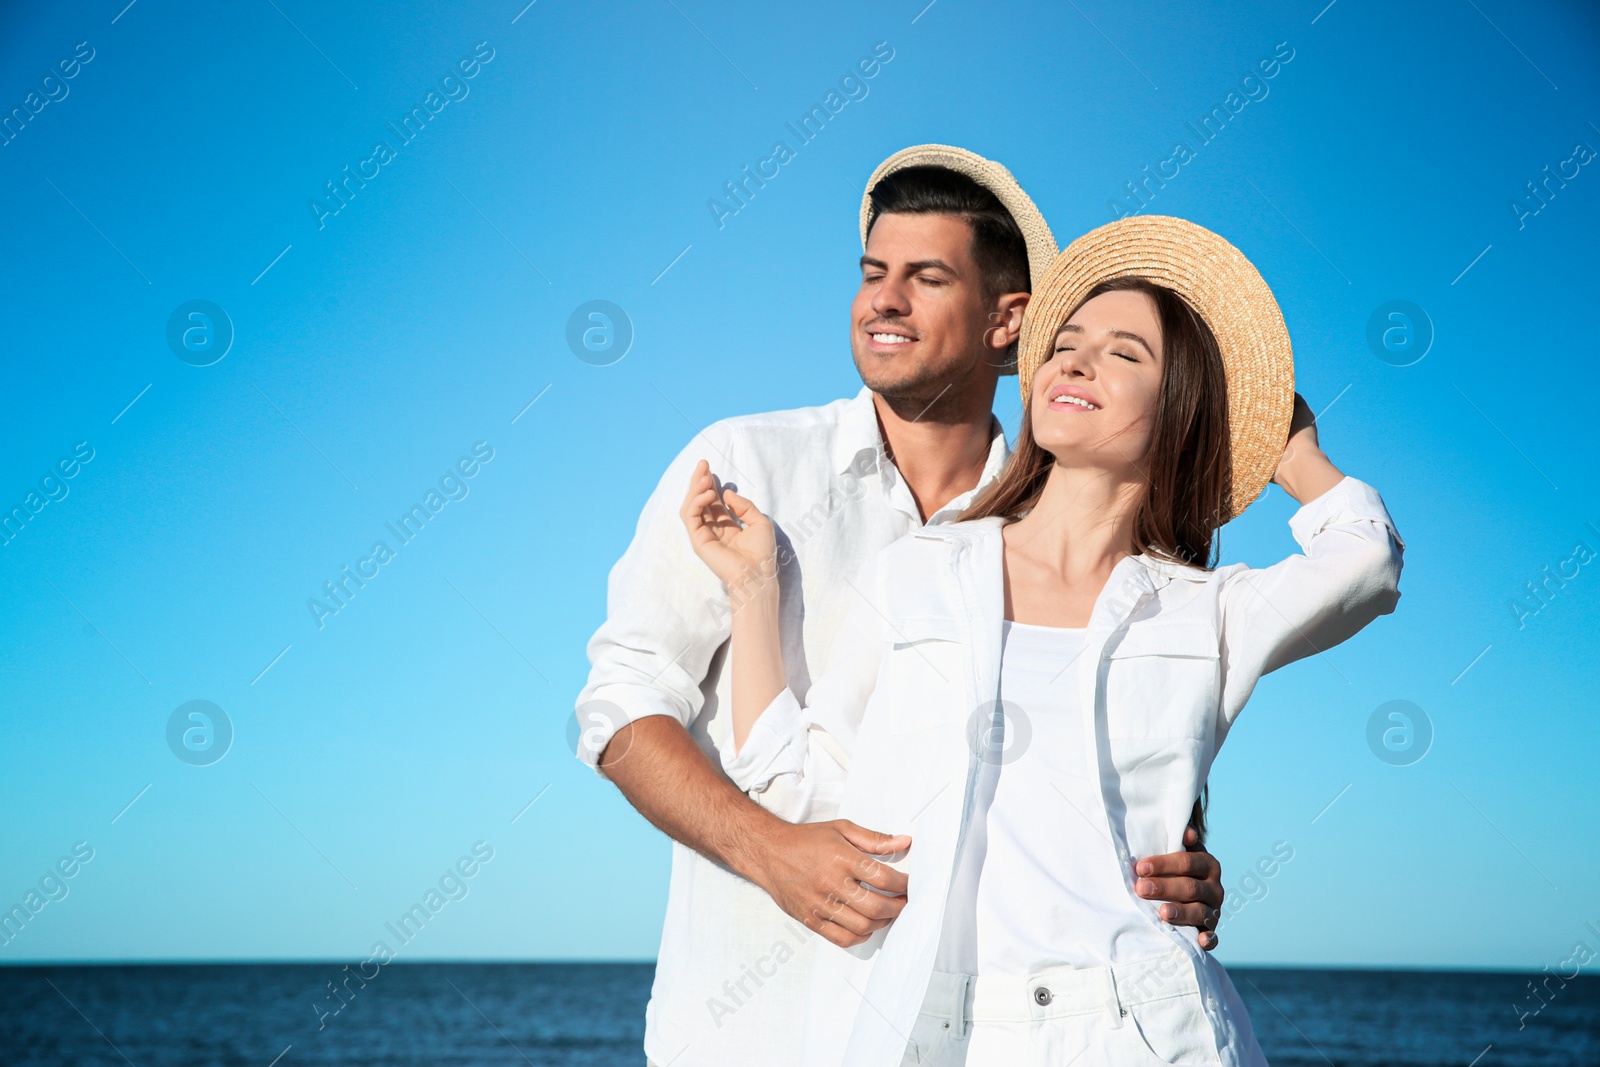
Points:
point(1042, 996)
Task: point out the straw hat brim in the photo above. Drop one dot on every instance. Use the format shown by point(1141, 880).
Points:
point(1228, 293)
point(987, 173)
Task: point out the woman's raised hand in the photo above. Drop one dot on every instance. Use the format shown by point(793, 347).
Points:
point(729, 534)
point(1302, 430)
point(1304, 470)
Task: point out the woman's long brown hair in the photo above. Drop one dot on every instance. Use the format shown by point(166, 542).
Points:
point(1186, 469)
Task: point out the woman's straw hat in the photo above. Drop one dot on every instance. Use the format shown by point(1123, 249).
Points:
point(1227, 292)
point(987, 173)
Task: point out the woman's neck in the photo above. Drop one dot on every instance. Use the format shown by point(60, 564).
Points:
point(1082, 525)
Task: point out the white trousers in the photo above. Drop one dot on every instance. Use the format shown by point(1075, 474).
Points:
point(1142, 1014)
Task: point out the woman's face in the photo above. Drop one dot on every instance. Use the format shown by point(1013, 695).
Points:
point(1094, 399)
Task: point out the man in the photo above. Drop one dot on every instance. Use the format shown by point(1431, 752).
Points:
point(951, 243)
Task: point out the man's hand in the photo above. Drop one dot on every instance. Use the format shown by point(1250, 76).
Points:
point(819, 874)
point(1191, 883)
point(813, 871)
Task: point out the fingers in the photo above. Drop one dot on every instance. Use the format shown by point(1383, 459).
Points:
point(695, 507)
point(851, 915)
point(707, 501)
point(1302, 431)
point(880, 876)
point(1302, 415)
point(1303, 422)
point(850, 921)
point(1196, 915)
point(1191, 884)
point(700, 482)
point(877, 907)
point(703, 511)
point(1181, 891)
point(1184, 891)
point(742, 509)
point(700, 477)
point(867, 869)
point(702, 519)
point(835, 933)
point(1199, 865)
point(827, 883)
point(843, 913)
point(871, 840)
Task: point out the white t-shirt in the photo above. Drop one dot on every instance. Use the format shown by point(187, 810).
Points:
point(1037, 884)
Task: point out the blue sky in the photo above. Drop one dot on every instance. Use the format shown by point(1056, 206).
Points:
point(374, 348)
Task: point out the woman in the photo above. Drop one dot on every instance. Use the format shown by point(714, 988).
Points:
point(1036, 693)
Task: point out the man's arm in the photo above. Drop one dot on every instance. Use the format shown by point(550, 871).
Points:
point(666, 617)
point(1191, 884)
point(813, 871)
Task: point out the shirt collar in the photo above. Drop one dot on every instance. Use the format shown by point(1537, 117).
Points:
point(858, 433)
point(1162, 571)
point(859, 447)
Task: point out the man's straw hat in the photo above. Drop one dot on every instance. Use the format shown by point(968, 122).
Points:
point(1227, 292)
point(987, 173)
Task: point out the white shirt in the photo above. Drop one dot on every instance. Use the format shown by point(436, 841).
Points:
point(1022, 900)
point(732, 970)
point(1171, 655)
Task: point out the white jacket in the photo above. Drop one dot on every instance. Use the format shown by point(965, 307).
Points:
point(1172, 654)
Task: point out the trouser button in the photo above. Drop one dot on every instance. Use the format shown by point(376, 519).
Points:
point(1042, 996)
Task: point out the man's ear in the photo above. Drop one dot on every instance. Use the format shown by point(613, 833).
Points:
point(1005, 321)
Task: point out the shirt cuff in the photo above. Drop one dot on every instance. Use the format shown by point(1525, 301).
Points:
point(604, 710)
point(1349, 501)
point(776, 745)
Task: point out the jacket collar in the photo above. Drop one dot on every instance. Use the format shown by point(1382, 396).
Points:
point(1143, 572)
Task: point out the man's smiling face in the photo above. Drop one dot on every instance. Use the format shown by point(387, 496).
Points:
point(918, 322)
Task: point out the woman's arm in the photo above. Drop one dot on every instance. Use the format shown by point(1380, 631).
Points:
point(756, 658)
point(1347, 576)
point(1304, 471)
point(733, 538)
point(795, 755)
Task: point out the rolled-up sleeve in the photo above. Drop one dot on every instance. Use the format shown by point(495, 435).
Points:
point(797, 755)
point(666, 613)
point(775, 745)
point(1347, 575)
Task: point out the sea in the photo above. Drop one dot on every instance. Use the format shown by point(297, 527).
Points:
point(592, 1015)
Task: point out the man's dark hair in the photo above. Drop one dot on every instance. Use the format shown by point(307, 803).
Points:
point(997, 245)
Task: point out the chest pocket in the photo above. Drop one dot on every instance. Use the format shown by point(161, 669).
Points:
point(1163, 680)
point(922, 680)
